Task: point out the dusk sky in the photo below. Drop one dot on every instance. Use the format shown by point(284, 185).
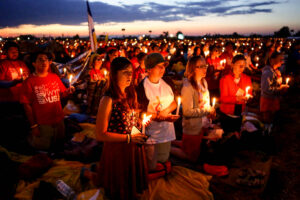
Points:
point(69, 17)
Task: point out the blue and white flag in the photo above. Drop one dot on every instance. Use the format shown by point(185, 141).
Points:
point(92, 33)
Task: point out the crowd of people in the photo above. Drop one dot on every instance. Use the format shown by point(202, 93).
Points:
point(211, 80)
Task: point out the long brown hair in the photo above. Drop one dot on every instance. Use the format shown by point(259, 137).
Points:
point(118, 64)
point(190, 70)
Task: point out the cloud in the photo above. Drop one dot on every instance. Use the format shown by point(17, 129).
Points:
point(73, 12)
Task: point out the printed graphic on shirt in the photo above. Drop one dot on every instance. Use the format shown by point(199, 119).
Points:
point(47, 93)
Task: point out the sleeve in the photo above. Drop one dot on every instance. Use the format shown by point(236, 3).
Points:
point(187, 103)
point(268, 85)
point(27, 93)
point(225, 96)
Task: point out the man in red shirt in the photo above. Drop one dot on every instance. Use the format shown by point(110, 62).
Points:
point(41, 94)
point(12, 72)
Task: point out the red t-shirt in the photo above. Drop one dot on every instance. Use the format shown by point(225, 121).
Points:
point(228, 91)
point(43, 94)
point(11, 70)
point(96, 74)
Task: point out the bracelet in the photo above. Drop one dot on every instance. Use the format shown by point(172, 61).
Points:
point(34, 126)
point(128, 138)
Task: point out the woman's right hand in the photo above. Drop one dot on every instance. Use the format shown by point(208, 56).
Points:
point(138, 138)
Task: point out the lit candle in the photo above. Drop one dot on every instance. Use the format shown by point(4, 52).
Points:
point(247, 91)
point(105, 73)
point(256, 65)
point(206, 53)
point(287, 80)
point(70, 80)
point(214, 102)
point(65, 70)
point(178, 105)
point(21, 72)
point(169, 57)
point(146, 119)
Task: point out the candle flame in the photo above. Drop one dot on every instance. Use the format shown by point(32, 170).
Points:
point(105, 72)
point(179, 100)
point(287, 80)
point(21, 71)
point(214, 102)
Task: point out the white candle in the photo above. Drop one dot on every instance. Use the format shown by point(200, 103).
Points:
point(287, 80)
point(70, 80)
point(214, 102)
point(247, 91)
point(178, 105)
point(146, 119)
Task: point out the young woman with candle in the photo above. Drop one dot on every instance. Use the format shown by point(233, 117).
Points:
point(233, 95)
point(96, 82)
point(195, 107)
point(271, 89)
point(156, 97)
point(122, 170)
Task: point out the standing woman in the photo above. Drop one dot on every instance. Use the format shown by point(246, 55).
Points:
point(233, 95)
point(123, 168)
point(271, 89)
point(195, 107)
point(96, 83)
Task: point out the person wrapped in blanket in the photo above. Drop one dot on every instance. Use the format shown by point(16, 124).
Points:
point(196, 108)
point(156, 97)
point(97, 81)
point(122, 170)
point(41, 97)
point(271, 89)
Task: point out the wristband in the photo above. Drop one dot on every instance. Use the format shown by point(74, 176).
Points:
point(128, 138)
point(34, 126)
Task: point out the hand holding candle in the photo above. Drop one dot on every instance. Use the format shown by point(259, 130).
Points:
point(178, 105)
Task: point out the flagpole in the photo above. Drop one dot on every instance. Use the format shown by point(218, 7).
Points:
point(92, 32)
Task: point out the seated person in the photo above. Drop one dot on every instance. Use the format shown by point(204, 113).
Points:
point(41, 97)
point(195, 107)
point(233, 96)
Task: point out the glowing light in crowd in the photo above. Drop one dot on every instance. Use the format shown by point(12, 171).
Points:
point(178, 105)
